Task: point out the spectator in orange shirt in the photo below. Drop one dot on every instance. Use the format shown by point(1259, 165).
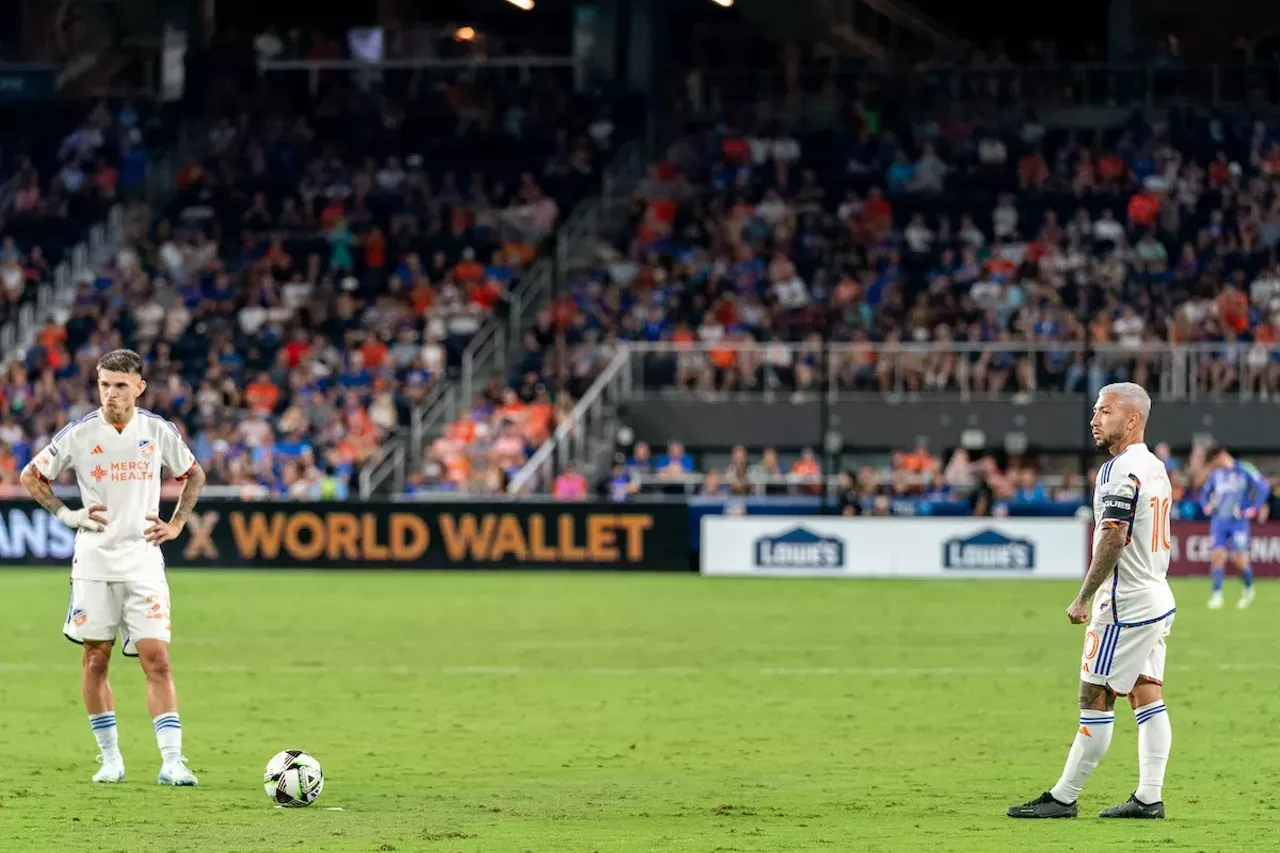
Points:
point(375, 249)
point(512, 408)
point(375, 352)
point(422, 297)
point(485, 293)
point(1033, 171)
point(262, 395)
point(1144, 208)
point(916, 468)
point(333, 213)
point(538, 418)
point(1233, 310)
point(806, 472)
point(877, 214)
point(735, 149)
point(463, 429)
point(106, 179)
point(8, 465)
point(51, 335)
point(518, 255)
point(457, 468)
point(1111, 171)
point(1220, 170)
point(468, 270)
point(276, 258)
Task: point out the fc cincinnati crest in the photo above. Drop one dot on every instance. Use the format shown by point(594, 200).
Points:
point(146, 447)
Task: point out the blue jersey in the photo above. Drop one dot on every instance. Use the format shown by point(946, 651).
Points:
point(1229, 492)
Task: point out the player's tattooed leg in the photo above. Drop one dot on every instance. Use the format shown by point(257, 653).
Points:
point(1096, 697)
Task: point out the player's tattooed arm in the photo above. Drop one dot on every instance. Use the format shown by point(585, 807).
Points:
point(42, 490)
point(191, 489)
point(1106, 553)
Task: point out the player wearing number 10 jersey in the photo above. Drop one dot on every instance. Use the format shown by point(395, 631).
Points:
point(1129, 608)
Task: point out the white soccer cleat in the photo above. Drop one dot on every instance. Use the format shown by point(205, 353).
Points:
point(1215, 601)
point(112, 770)
point(1246, 598)
point(177, 774)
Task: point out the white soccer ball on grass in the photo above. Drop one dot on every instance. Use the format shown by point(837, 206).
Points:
point(293, 779)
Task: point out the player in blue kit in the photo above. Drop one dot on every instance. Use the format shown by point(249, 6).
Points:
point(1232, 496)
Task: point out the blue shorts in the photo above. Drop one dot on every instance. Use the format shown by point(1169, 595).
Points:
point(1231, 534)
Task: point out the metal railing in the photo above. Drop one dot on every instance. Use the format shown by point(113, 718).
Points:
point(929, 86)
point(488, 351)
point(440, 407)
point(586, 434)
point(1018, 370)
point(488, 348)
point(104, 238)
point(389, 461)
point(401, 450)
point(168, 491)
point(314, 68)
point(963, 372)
point(682, 487)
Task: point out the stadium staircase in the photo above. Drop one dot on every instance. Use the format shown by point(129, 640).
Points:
point(497, 344)
point(587, 436)
point(122, 225)
point(576, 246)
point(99, 245)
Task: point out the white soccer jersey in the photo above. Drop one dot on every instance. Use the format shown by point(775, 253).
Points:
point(120, 469)
point(1133, 489)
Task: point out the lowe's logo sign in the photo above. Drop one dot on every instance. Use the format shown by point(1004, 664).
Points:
point(989, 549)
point(799, 549)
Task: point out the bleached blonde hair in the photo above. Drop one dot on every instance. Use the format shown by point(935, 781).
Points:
point(1130, 394)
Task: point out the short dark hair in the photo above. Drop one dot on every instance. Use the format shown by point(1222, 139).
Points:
point(121, 361)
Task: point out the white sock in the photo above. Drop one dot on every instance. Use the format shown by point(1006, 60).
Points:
point(1092, 739)
point(169, 737)
point(106, 733)
point(1155, 737)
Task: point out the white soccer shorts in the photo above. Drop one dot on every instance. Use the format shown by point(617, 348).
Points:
point(99, 610)
point(1115, 655)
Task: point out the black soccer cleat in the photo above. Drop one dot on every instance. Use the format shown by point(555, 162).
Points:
point(1134, 808)
point(1043, 807)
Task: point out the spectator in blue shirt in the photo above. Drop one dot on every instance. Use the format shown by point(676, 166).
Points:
point(641, 461)
point(675, 460)
point(1029, 489)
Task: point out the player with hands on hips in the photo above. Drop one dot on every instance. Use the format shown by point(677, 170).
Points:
point(91, 518)
point(118, 586)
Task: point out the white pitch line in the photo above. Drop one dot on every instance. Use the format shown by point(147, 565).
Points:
point(643, 671)
point(641, 642)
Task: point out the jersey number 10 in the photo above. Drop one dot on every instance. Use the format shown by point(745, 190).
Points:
point(1160, 525)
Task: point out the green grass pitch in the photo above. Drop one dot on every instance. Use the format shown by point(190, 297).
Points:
point(505, 713)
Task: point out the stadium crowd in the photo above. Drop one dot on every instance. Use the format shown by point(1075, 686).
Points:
point(1003, 247)
point(324, 266)
point(316, 274)
point(1010, 246)
point(909, 482)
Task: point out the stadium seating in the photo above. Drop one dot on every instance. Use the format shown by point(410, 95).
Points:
point(317, 273)
point(954, 255)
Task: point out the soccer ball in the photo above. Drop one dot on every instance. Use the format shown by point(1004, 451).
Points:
point(293, 779)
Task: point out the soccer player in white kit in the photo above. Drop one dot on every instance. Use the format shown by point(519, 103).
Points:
point(1129, 607)
point(117, 574)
